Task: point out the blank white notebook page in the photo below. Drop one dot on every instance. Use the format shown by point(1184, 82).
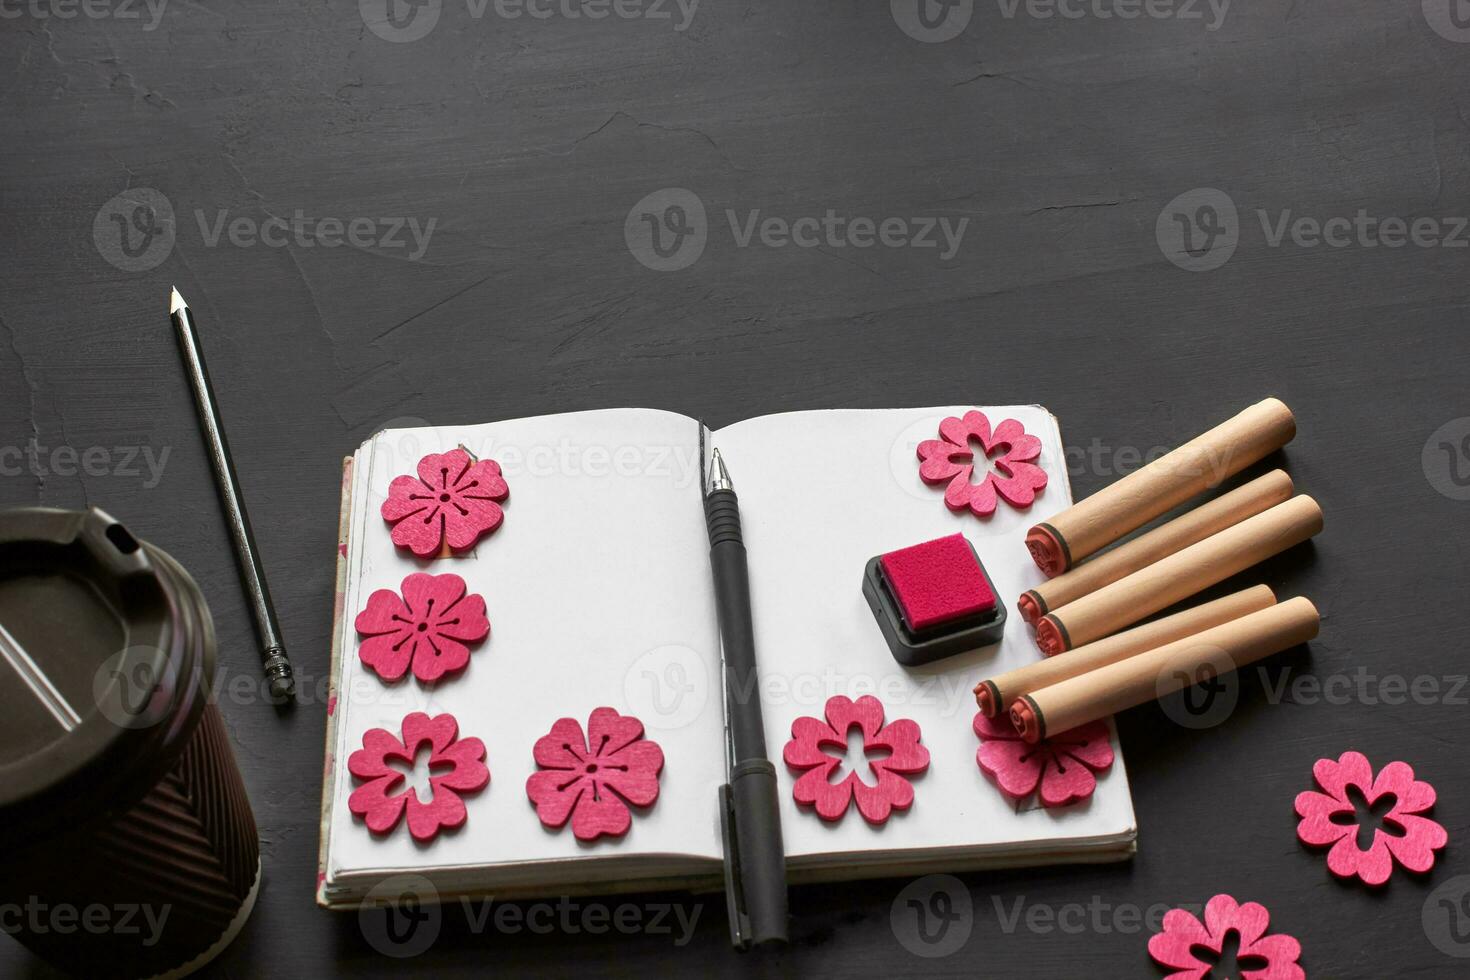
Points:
point(597, 589)
point(820, 494)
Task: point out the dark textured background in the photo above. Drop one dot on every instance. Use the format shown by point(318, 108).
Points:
point(529, 141)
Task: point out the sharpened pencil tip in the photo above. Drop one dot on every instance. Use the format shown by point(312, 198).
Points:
point(175, 301)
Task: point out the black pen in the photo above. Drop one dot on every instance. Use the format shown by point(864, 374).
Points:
point(750, 815)
point(273, 658)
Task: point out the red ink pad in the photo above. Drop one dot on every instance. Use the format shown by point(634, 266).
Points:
point(933, 600)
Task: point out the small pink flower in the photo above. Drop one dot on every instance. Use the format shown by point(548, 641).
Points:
point(1330, 818)
point(1258, 955)
point(382, 800)
point(951, 458)
point(452, 499)
point(428, 627)
point(1062, 765)
point(811, 737)
point(593, 778)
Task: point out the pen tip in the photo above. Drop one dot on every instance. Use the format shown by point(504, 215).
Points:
point(175, 301)
point(719, 475)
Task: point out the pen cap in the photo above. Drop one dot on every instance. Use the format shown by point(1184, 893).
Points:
point(118, 787)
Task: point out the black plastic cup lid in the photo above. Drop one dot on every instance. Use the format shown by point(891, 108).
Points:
point(105, 651)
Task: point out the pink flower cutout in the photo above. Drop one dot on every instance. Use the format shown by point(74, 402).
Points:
point(1259, 956)
point(1331, 818)
point(811, 737)
point(1062, 765)
point(593, 778)
point(382, 800)
point(951, 458)
point(453, 499)
point(428, 627)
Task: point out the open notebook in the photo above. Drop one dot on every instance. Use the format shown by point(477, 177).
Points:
point(598, 590)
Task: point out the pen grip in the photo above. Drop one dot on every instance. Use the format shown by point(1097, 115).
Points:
point(722, 518)
point(762, 854)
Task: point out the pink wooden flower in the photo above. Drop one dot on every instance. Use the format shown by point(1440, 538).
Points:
point(382, 800)
point(593, 778)
point(452, 499)
point(1331, 818)
point(952, 459)
point(1062, 765)
point(812, 737)
point(427, 626)
point(1258, 955)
